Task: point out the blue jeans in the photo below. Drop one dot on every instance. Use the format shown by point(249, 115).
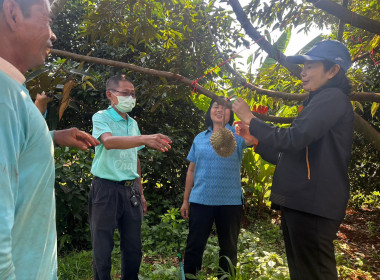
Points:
point(227, 219)
point(110, 208)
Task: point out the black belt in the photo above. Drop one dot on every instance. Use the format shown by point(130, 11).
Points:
point(127, 183)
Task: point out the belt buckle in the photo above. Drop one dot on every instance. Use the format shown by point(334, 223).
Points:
point(129, 183)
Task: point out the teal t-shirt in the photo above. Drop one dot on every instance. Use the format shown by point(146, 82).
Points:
point(27, 202)
point(114, 164)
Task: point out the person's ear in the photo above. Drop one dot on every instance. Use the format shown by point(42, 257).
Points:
point(109, 96)
point(12, 14)
point(333, 71)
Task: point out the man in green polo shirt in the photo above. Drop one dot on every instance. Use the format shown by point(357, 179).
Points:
point(27, 204)
point(116, 198)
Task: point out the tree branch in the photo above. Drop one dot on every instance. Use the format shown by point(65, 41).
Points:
point(362, 96)
point(339, 37)
point(365, 129)
point(202, 90)
point(347, 16)
point(260, 40)
point(365, 55)
point(163, 74)
point(370, 134)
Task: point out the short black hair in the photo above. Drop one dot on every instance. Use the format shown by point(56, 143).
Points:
point(113, 81)
point(24, 5)
point(340, 80)
point(208, 115)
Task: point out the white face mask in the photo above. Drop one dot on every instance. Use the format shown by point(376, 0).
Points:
point(125, 103)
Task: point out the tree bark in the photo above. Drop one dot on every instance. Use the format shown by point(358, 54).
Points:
point(365, 129)
point(347, 16)
point(260, 40)
point(339, 37)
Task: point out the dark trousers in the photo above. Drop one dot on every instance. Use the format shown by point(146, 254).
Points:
point(227, 219)
point(110, 208)
point(309, 245)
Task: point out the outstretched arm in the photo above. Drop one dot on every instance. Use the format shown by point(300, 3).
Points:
point(73, 137)
point(158, 142)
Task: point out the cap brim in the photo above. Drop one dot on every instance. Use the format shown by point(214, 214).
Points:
point(300, 59)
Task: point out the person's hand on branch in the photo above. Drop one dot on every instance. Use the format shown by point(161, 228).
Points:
point(242, 110)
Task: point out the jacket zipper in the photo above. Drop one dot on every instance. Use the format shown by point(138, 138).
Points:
point(307, 163)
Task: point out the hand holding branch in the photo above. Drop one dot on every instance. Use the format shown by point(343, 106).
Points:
point(242, 110)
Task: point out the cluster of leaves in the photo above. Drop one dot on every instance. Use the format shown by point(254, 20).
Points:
point(73, 180)
point(166, 238)
point(359, 199)
point(287, 13)
point(257, 181)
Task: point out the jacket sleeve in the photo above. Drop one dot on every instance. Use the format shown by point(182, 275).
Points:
point(8, 190)
point(325, 109)
point(267, 153)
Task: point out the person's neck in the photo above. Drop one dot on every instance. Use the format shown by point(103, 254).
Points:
point(6, 52)
point(216, 126)
point(123, 115)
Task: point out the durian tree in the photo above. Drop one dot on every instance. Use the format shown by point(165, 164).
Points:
point(167, 45)
point(165, 26)
point(185, 49)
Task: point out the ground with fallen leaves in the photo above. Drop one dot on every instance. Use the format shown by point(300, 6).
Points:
point(358, 245)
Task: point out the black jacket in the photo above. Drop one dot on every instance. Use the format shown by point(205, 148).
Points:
point(312, 155)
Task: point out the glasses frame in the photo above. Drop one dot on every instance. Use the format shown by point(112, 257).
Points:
point(124, 93)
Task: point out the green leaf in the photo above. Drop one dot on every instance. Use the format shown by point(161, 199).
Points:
point(36, 73)
point(308, 46)
point(374, 108)
point(281, 45)
point(82, 73)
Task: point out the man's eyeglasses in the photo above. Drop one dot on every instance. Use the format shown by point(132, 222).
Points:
point(124, 93)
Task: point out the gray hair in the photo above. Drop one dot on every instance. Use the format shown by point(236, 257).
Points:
point(24, 5)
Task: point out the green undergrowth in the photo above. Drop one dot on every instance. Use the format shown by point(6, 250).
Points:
point(261, 254)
